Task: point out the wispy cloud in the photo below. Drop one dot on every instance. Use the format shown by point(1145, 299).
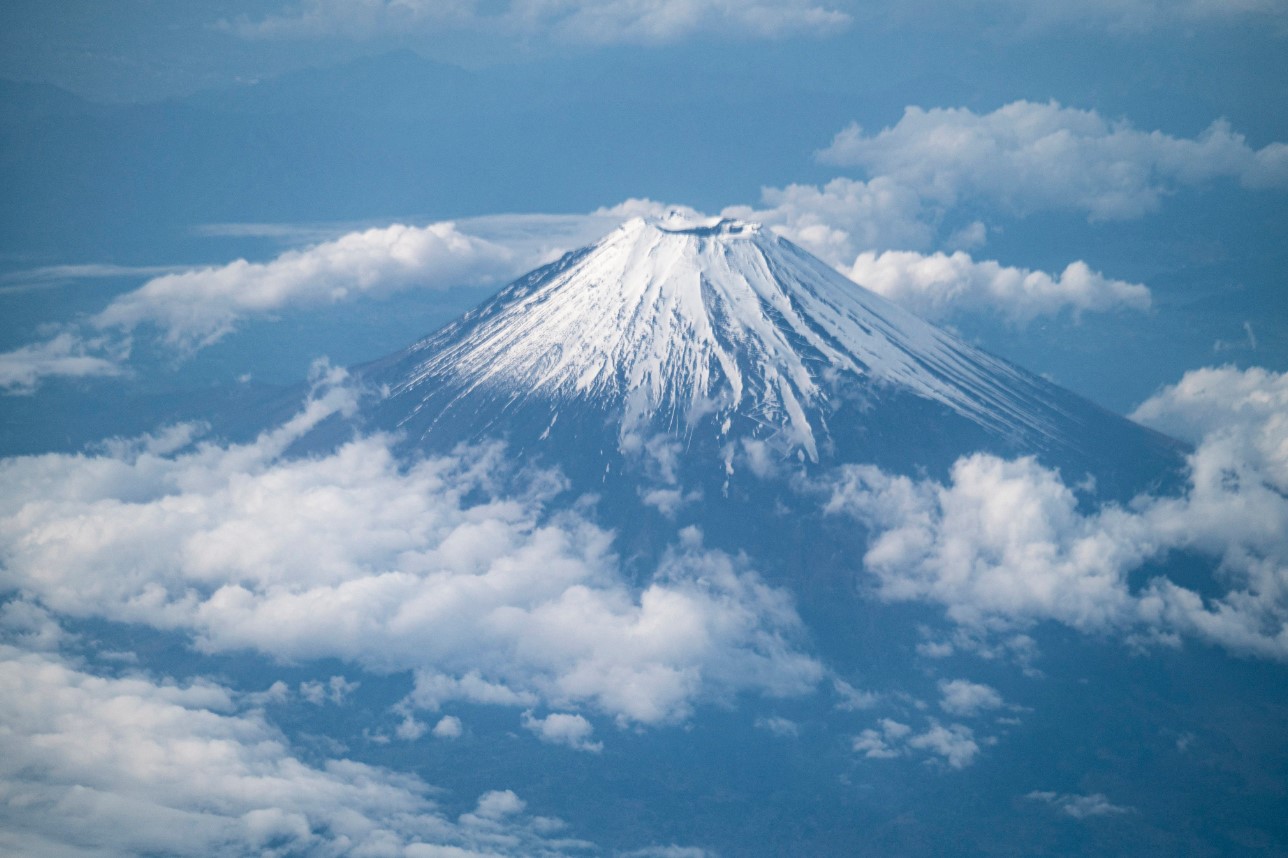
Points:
point(66, 355)
point(1132, 17)
point(57, 275)
point(567, 21)
point(1079, 806)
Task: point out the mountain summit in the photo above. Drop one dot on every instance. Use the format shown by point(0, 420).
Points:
point(721, 332)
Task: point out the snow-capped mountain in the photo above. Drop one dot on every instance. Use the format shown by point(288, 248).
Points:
point(722, 333)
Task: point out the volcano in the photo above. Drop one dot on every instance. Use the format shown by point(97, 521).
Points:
point(737, 344)
point(704, 390)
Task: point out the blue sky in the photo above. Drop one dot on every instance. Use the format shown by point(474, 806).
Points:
point(209, 203)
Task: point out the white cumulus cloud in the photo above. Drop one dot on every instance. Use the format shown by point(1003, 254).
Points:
point(198, 307)
point(966, 698)
point(1005, 543)
point(1248, 409)
point(936, 285)
point(954, 745)
point(1026, 157)
point(563, 728)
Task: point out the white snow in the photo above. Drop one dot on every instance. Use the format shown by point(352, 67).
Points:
point(680, 318)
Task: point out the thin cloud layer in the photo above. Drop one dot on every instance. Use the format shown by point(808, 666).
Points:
point(105, 766)
point(196, 308)
point(937, 285)
point(1079, 806)
point(1129, 17)
point(65, 356)
point(571, 21)
point(356, 555)
point(1026, 157)
point(1004, 544)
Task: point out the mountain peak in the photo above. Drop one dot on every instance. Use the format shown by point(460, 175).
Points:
point(677, 321)
point(680, 222)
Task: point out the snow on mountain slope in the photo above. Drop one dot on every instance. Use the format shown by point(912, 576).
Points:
point(679, 320)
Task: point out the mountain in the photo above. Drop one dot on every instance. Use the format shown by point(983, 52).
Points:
point(734, 341)
point(703, 387)
point(666, 551)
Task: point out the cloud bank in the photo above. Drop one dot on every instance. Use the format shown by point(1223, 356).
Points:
point(1247, 409)
point(198, 307)
point(1004, 543)
point(938, 285)
point(1026, 157)
point(457, 568)
point(65, 356)
point(93, 765)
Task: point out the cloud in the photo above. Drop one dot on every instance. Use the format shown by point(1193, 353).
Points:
point(782, 727)
point(89, 763)
point(55, 275)
point(499, 804)
point(841, 222)
point(845, 216)
point(458, 568)
point(65, 356)
point(870, 230)
point(935, 286)
point(1248, 409)
point(448, 727)
point(336, 690)
point(965, 698)
point(669, 851)
point(954, 745)
point(1026, 157)
point(196, 308)
point(561, 728)
point(566, 21)
point(1079, 806)
point(1004, 544)
point(1003, 539)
